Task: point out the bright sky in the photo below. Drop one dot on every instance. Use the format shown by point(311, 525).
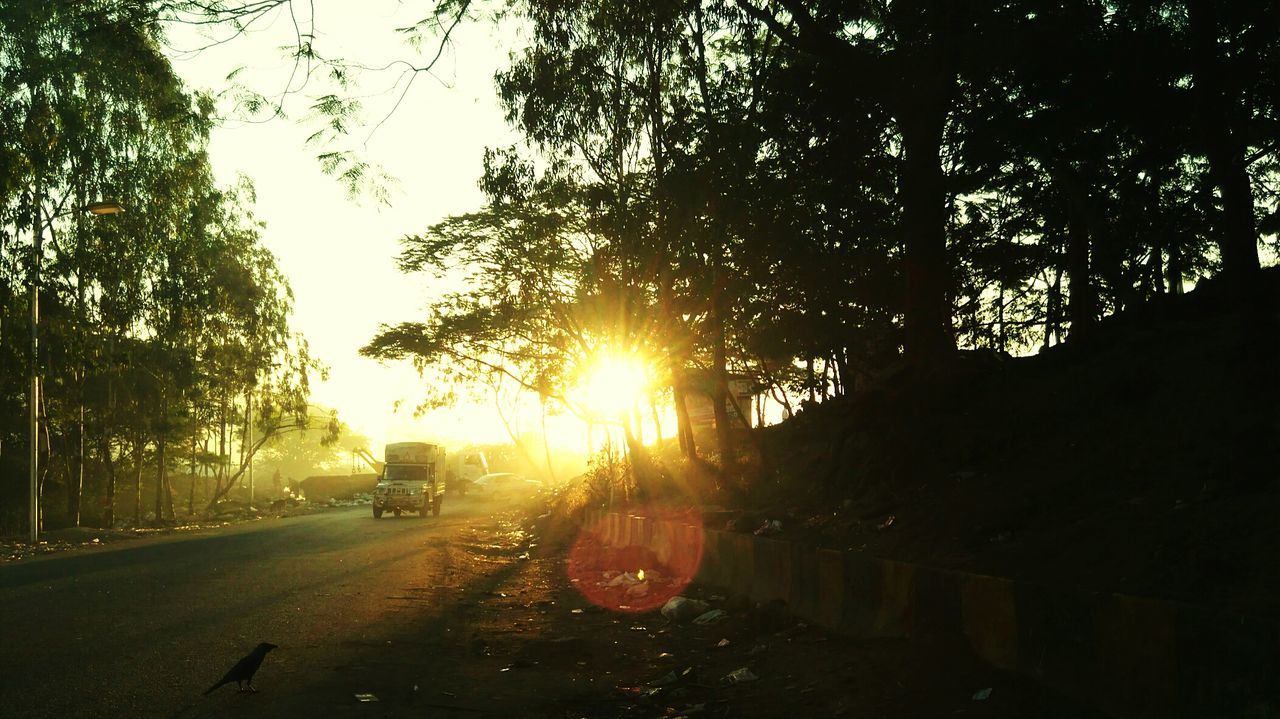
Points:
point(339, 255)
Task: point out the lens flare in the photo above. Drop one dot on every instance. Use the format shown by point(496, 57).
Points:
point(602, 561)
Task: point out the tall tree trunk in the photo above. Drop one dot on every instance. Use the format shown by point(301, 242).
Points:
point(1222, 121)
point(810, 380)
point(161, 464)
point(33, 371)
point(546, 443)
point(1173, 269)
point(780, 396)
point(1082, 300)
point(684, 426)
point(844, 378)
point(110, 518)
point(1155, 273)
point(1053, 311)
point(720, 377)
point(224, 461)
point(205, 470)
point(657, 421)
point(76, 486)
point(927, 306)
point(638, 461)
point(1001, 336)
point(776, 391)
point(191, 490)
point(139, 445)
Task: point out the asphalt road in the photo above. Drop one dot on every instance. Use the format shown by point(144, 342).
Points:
point(142, 628)
point(461, 616)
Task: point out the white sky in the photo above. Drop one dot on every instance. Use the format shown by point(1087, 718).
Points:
point(339, 255)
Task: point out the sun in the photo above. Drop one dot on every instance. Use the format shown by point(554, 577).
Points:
point(612, 384)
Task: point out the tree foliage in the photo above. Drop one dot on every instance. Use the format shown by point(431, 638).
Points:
point(157, 325)
point(801, 192)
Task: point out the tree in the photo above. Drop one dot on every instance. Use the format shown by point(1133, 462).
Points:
point(149, 317)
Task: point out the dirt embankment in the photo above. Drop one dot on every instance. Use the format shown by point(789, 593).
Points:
point(1142, 459)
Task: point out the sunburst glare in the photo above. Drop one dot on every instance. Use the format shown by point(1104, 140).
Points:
point(612, 384)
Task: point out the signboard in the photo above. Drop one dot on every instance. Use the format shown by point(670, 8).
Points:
point(702, 410)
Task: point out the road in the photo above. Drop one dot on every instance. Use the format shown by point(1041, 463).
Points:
point(143, 628)
point(465, 615)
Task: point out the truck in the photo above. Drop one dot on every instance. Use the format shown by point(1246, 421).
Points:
point(466, 467)
point(412, 479)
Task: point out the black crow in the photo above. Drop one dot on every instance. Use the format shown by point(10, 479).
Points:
point(242, 673)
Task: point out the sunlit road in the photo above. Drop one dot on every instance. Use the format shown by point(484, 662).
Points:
point(142, 628)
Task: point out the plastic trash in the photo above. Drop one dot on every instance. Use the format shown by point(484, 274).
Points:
point(738, 676)
point(621, 579)
point(682, 609)
point(722, 643)
point(366, 698)
point(982, 694)
point(711, 617)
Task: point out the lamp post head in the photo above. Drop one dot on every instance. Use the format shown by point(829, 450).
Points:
point(103, 207)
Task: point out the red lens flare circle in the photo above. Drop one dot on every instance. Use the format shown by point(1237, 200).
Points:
point(635, 562)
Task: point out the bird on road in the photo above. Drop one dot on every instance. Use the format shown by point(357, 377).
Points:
point(242, 673)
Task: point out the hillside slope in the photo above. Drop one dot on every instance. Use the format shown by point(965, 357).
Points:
point(1144, 459)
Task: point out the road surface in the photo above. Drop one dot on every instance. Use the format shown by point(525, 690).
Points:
point(142, 628)
point(458, 616)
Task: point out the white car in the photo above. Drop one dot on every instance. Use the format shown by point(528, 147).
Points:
point(505, 485)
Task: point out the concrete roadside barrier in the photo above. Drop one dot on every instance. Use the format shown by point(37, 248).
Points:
point(1131, 657)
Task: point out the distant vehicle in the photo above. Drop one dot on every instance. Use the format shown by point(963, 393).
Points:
point(466, 467)
point(412, 480)
point(506, 485)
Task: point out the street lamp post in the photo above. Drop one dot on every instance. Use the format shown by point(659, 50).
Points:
point(104, 207)
point(249, 432)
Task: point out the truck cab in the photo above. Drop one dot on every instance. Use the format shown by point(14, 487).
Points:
point(412, 480)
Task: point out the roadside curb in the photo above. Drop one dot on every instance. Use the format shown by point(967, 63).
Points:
point(1132, 657)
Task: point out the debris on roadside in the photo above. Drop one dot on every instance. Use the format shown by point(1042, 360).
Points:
point(618, 580)
point(770, 527)
point(711, 617)
point(681, 609)
point(739, 676)
point(672, 677)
